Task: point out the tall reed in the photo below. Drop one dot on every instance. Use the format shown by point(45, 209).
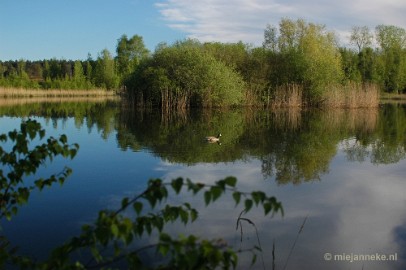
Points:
point(351, 95)
point(13, 101)
point(287, 95)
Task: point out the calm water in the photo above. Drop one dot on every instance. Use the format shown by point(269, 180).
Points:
point(340, 176)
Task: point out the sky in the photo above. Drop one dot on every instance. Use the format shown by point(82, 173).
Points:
point(62, 29)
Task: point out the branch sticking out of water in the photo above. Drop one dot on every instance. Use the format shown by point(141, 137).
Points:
point(259, 247)
point(294, 243)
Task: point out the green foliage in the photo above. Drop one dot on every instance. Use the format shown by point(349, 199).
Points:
point(392, 64)
point(185, 75)
point(350, 65)
point(24, 161)
point(105, 75)
point(130, 52)
point(190, 73)
point(304, 53)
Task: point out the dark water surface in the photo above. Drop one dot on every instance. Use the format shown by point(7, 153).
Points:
point(340, 175)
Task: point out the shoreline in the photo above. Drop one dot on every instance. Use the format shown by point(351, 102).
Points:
point(29, 93)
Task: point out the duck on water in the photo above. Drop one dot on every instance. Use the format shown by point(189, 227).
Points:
point(213, 138)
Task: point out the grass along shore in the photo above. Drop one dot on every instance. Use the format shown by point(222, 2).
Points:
point(18, 101)
point(351, 95)
point(21, 92)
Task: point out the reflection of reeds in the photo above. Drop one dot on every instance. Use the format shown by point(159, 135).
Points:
point(179, 116)
point(287, 119)
point(20, 92)
point(363, 120)
point(393, 98)
point(352, 95)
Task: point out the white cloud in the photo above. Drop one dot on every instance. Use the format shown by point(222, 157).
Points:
point(232, 21)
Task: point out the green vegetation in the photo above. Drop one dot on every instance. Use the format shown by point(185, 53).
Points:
point(298, 65)
point(183, 75)
point(105, 72)
point(114, 238)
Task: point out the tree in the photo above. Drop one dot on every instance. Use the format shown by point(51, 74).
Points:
point(270, 38)
point(361, 37)
point(350, 65)
point(105, 71)
point(367, 64)
point(307, 55)
point(390, 36)
point(392, 70)
point(129, 54)
point(78, 75)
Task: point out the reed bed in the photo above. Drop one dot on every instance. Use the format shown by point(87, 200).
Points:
point(21, 92)
point(351, 95)
point(13, 101)
point(287, 95)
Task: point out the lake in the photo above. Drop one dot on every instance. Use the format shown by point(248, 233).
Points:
point(339, 174)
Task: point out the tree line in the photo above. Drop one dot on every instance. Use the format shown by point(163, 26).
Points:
point(106, 71)
point(191, 73)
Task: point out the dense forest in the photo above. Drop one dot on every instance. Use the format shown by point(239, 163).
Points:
point(298, 63)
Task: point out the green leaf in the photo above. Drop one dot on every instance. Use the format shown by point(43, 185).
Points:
point(63, 139)
point(165, 237)
point(124, 203)
point(41, 133)
point(258, 196)
point(267, 207)
point(248, 204)
point(207, 197)
point(231, 181)
point(194, 214)
point(72, 153)
point(177, 185)
point(163, 249)
point(237, 197)
point(138, 207)
point(184, 216)
point(254, 259)
point(114, 229)
point(216, 193)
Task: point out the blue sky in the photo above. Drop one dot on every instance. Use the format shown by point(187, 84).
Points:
point(42, 29)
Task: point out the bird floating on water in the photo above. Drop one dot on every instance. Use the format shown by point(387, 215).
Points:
point(213, 138)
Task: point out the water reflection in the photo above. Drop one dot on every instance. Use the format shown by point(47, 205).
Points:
point(294, 146)
point(342, 169)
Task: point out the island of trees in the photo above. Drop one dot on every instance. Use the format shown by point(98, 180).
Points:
point(298, 64)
